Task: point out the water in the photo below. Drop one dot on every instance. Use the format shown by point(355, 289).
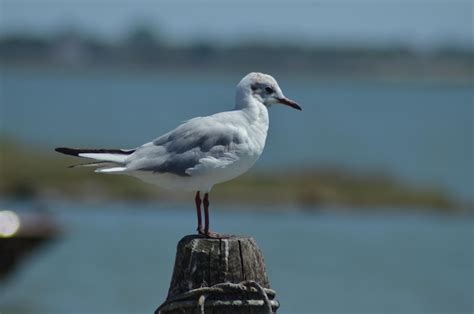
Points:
point(119, 258)
point(420, 132)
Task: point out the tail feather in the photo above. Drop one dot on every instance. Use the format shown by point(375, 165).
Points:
point(77, 152)
point(111, 170)
point(102, 157)
point(116, 158)
point(94, 164)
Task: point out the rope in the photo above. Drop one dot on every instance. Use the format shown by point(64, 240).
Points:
point(187, 299)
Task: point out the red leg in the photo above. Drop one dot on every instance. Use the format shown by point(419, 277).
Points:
point(206, 219)
point(206, 213)
point(198, 201)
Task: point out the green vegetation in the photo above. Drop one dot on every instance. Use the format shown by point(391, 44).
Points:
point(46, 175)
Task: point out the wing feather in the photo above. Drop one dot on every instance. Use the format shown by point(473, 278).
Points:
point(199, 142)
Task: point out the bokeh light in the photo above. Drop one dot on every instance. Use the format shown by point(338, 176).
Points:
point(9, 223)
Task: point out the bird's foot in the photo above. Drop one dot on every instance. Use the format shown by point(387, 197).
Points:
point(213, 235)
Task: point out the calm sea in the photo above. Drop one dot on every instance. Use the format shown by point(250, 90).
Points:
point(118, 259)
point(419, 132)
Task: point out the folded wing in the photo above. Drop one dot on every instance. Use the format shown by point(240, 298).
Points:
point(190, 147)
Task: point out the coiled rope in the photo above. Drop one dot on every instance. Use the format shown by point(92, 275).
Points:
point(188, 299)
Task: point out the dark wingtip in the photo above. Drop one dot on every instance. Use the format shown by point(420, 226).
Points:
point(76, 152)
point(67, 151)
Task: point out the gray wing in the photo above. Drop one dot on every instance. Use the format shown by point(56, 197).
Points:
point(186, 146)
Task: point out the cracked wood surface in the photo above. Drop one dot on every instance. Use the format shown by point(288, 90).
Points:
point(203, 262)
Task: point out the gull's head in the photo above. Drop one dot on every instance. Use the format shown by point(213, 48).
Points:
point(264, 89)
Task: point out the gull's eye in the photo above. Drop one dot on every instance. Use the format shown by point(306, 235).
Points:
point(269, 90)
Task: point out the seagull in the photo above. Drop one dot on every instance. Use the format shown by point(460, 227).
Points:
point(202, 151)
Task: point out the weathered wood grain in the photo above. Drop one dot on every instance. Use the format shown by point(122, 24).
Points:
point(203, 262)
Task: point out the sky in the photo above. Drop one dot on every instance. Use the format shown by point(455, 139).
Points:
point(418, 23)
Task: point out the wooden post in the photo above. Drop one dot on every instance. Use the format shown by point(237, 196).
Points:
point(225, 276)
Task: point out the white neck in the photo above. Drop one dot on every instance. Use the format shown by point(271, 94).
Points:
point(256, 114)
point(255, 109)
point(243, 97)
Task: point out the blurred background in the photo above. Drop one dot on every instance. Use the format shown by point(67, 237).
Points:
point(362, 202)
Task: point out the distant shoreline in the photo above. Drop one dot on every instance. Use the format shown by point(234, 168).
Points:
point(143, 52)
